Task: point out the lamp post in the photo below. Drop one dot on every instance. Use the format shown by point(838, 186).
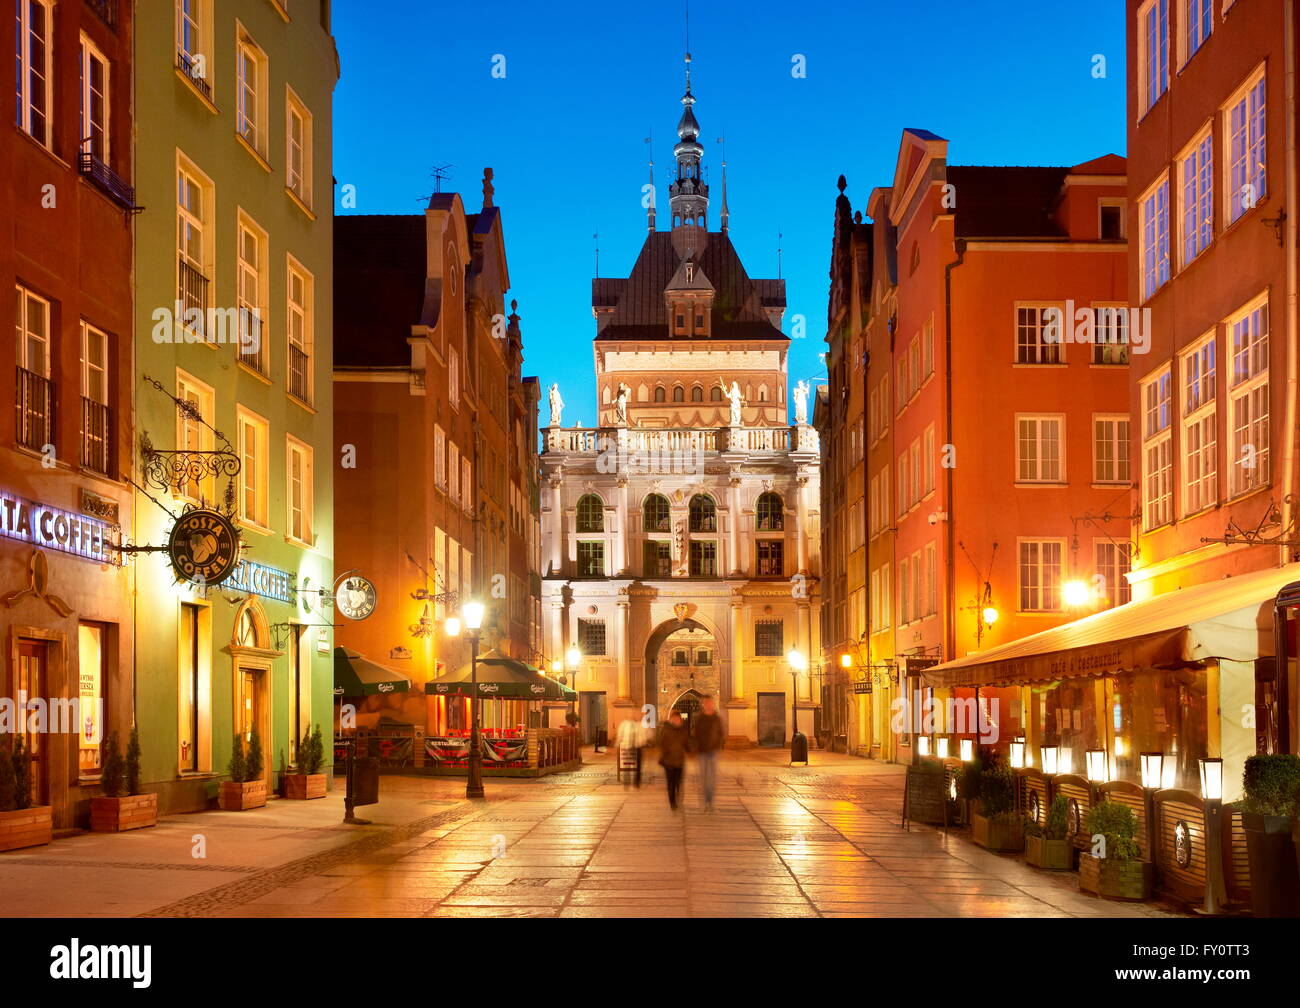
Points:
point(798, 742)
point(1212, 794)
point(473, 615)
point(1152, 765)
point(574, 658)
point(1049, 755)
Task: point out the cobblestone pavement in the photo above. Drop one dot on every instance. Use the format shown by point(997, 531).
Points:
point(823, 841)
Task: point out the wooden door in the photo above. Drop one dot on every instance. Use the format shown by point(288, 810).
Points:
point(29, 683)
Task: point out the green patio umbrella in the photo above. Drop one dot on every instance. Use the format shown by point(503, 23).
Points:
point(501, 676)
point(358, 676)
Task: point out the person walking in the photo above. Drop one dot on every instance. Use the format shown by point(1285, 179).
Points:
point(709, 737)
point(631, 737)
point(674, 740)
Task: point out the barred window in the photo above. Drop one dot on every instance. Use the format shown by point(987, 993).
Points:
point(591, 636)
point(769, 639)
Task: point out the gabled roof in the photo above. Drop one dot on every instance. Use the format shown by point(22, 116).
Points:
point(1007, 202)
point(379, 266)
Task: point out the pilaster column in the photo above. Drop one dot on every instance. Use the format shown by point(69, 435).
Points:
point(803, 630)
point(624, 635)
point(737, 648)
point(559, 646)
point(557, 527)
point(733, 512)
point(801, 521)
point(621, 543)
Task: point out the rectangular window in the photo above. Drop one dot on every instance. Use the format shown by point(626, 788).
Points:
point(927, 348)
point(194, 201)
point(771, 557)
point(299, 688)
point(931, 579)
point(1198, 22)
point(453, 473)
point(250, 276)
point(193, 432)
point(298, 148)
point(299, 475)
point(94, 399)
point(33, 32)
point(1157, 483)
point(1031, 348)
point(35, 392)
point(1112, 564)
point(1110, 335)
point(928, 462)
point(769, 639)
point(1154, 213)
point(94, 102)
point(591, 559)
point(1196, 172)
point(903, 493)
point(466, 484)
point(1110, 449)
point(658, 559)
point(704, 558)
point(904, 591)
point(886, 593)
point(1153, 25)
point(591, 636)
point(1248, 399)
point(1040, 575)
point(1200, 427)
point(250, 92)
point(439, 458)
point(453, 377)
point(1040, 446)
point(1244, 122)
point(298, 297)
point(254, 474)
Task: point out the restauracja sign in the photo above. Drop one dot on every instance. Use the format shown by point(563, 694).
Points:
point(56, 529)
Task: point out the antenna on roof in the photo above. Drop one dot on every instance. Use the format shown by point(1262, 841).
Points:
point(596, 239)
point(779, 236)
point(440, 173)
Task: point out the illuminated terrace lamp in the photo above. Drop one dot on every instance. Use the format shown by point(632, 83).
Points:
point(923, 745)
point(1050, 755)
point(1153, 768)
point(967, 749)
point(472, 613)
point(1094, 761)
point(1018, 753)
point(1212, 791)
point(941, 746)
point(1075, 593)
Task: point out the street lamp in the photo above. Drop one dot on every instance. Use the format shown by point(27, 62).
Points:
point(574, 657)
point(473, 615)
point(1212, 792)
point(1075, 593)
point(967, 748)
point(798, 743)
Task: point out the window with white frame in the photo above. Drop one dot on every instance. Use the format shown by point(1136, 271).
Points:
point(1040, 575)
point(1200, 426)
point(193, 432)
point(1110, 334)
point(94, 398)
point(250, 277)
point(1031, 323)
point(927, 348)
point(931, 579)
point(904, 590)
point(1112, 564)
point(1157, 449)
point(439, 458)
point(1197, 23)
point(1196, 174)
point(35, 392)
point(886, 593)
point(1246, 154)
point(904, 494)
point(298, 148)
point(928, 461)
point(250, 92)
point(1153, 210)
point(299, 475)
point(453, 473)
point(194, 202)
point(94, 101)
point(1040, 448)
point(299, 295)
point(33, 45)
point(453, 377)
point(254, 473)
point(1248, 399)
point(884, 404)
point(918, 586)
point(1110, 448)
point(466, 484)
point(1153, 51)
point(193, 34)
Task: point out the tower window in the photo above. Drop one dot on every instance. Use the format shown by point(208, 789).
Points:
point(660, 395)
point(697, 394)
point(678, 394)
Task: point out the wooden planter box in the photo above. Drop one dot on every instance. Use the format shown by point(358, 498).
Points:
point(29, 827)
point(113, 815)
point(1053, 855)
point(304, 786)
point(997, 836)
point(1117, 880)
point(1273, 860)
point(238, 797)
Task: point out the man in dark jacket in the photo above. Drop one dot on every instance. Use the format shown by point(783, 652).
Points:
point(674, 739)
point(709, 738)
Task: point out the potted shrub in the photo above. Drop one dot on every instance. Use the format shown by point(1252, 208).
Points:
point(122, 806)
point(246, 789)
point(996, 825)
point(1117, 870)
point(308, 782)
point(21, 823)
point(1047, 844)
point(1271, 783)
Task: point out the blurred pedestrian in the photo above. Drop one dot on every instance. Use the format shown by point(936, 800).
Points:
point(709, 738)
point(674, 740)
point(631, 737)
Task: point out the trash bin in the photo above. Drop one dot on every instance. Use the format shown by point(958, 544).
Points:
point(799, 748)
point(365, 781)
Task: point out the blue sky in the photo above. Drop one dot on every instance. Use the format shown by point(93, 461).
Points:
point(586, 83)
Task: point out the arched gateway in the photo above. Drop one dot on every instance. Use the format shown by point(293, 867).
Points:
point(683, 660)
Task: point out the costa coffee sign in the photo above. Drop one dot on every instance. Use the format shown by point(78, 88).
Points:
point(55, 529)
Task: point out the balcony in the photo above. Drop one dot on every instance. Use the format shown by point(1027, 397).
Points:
point(94, 436)
point(185, 64)
point(299, 375)
point(107, 180)
point(252, 348)
point(678, 449)
point(35, 402)
point(191, 290)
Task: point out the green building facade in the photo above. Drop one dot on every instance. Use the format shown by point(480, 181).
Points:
point(233, 275)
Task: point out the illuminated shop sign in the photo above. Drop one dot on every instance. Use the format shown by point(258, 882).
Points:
point(53, 528)
point(259, 579)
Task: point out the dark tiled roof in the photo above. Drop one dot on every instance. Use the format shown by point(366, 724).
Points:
point(638, 301)
point(1007, 202)
point(379, 276)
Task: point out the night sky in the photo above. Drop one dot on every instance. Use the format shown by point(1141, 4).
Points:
point(586, 83)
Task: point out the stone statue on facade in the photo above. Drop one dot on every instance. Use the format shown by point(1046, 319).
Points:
point(620, 404)
point(801, 403)
point(733, 396)
point(557, 405)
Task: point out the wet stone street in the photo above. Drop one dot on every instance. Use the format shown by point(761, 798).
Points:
point(823, 841)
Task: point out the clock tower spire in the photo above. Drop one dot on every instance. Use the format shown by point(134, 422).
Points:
point(689, 194)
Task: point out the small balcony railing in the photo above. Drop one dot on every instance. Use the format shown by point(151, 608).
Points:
point(94, 435)
point(299, 385)
point(185, 63)
point(104, 178)
point(252, 348)
point(191, 289)
point(35, 402)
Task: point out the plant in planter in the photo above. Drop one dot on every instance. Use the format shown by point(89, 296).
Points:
point(21, 823)
point(1268, 813)
point(1047, 844)
point(1114, 868)
point(122, 806)
point(996, 825)
point(308, 782)
point(246, 789)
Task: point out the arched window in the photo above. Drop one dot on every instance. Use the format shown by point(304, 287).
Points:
point(591, 513)
point(715, 395)
point(660, 394)
point(678, 394)
point(762, 393)
point(655, 513)
point(703, 514)
point(770, 512)
point(605, 394)
point(697, 394)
